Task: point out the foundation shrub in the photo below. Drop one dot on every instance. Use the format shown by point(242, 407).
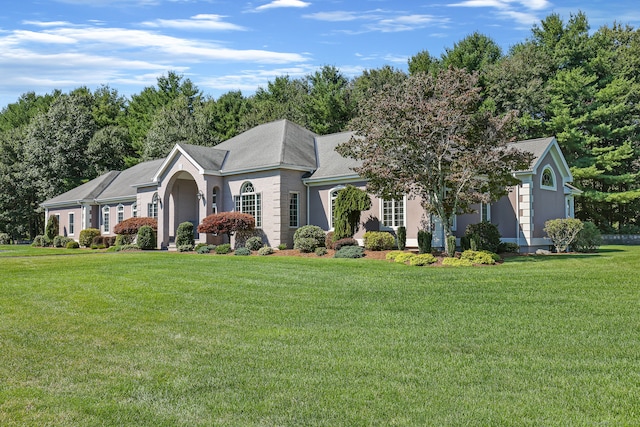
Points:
point(124, 239)
point(404, 257)
point(424, 241)
point(309, 232)
point(391, 256)
point(480, 257)
point(451, 246)
point(422, 259)
point(184, 235)
point(486, 235)
point(378, 241)
point(401, 237)
point(223, 249)
point(52, 228)
point(265, 250)
point(349, 252)
point(131, 226)
point(508, 248)
point(203, 248)
point(282, 246)
point(38, 241)
point(457, 262)
point(127, 248)
point(101, 241)
point(200, 245)
point(306, 244)
point(465, 243)
point(61, 241)
point(147, 239)
point(5, 239)
point(588, 239)
point(185, 248)
point(321, 251)
point(87, 235)
point(72, 245)
point(347, 241)
point(330, 240)
point(242, 252)
point(254, 243)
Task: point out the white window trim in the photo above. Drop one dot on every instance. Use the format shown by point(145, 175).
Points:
point(214, 200)
point(134, 210)
point(383, 226)
point(553, 177)
point(106, 225)
point(291, 193)
point(72, 224)
point(237, 201)
point(119, 210)
point(488, 206)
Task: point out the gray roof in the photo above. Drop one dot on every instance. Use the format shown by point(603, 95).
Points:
point(123, 185)
point(279, 143)
point(111, 185)
point(537, 147)
point(330, 163)
point(210, 158)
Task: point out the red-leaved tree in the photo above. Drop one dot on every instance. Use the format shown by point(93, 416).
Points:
point(130, 226)
point(227, 223)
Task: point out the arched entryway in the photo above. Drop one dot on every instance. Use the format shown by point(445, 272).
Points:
point(185, 202)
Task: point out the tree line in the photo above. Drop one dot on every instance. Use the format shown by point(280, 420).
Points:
point(563, 80)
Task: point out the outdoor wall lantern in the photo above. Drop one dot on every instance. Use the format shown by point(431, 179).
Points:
point(200, 195)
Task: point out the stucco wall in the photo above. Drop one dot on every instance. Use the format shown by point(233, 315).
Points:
point(548, 204)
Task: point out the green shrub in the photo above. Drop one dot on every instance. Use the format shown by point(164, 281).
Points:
point(184, 235)
point(265, 250)
point(378, 240)
point(486, 234)
point(146, 238)
point(72, 245)
point(422, 259)
point(39, 241)
point(87, 235)
point(308, 232)
point(105, 241)
point(474, 242)
point(347, 241)
point(329, 240)
point(242, 252)
point(98, 246)
point(457, 262)
point(562, 232)
point(451, 246)
point(392, 255)
point(282, 246)
point(123, 239)
point(184, 248)
point(404, 257)
point(424, 241)
point(254, 243)
point(402, 237)
point(203, 248)
point(5, 239)
point(223, 249)
point(480, 257)
point(465, 243)
point(127, 248)
point(53, 228)
point(321, 251)
point(306, 244)
point(350, 252)
point(57, 242)
point(508, 248)
point(588, 239)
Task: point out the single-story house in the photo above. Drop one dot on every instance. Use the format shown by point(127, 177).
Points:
point(286, 177)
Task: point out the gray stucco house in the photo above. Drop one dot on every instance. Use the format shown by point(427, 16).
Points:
point(286, 176)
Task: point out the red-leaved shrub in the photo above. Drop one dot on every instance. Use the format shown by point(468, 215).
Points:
point(130, 226)
point(227, 223)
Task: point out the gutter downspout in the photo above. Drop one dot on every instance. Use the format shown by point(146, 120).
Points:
point(518, 215)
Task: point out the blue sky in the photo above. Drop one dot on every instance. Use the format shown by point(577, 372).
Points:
point(224, 45)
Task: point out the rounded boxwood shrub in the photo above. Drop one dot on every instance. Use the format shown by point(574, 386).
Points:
point(72, 245)
point(87, 235)
point(146, 238)
point(391, 256)
point(306, 244)
point(282, 246)
point(404, 257)
point(38, 241)
point(309, 232)
point(485, 235)
point(203, 248)
point(124, 239)
point(378, 240)
point(242, 252)
point(265, 250)
point(321, 251)
point(350, 252)
point(588, 239)
point(223, 249)
point(480, 257)
point(422, 259)
point(184, 235)
point(254, 243)
point(457, 262)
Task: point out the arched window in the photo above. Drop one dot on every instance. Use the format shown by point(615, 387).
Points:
point(152, 208)
point(120, 213)
point(333, 194)
point(548, 179)
point(249, 202)
point(105, 219)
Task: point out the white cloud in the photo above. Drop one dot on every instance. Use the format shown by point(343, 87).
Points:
point(283, 3)
point(519, 10)
point(207, 22)
point(336, 16)
point(379, 20)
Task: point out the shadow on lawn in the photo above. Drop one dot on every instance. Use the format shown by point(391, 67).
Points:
point(553, 257)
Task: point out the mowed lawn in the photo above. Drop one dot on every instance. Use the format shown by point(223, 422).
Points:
point(170, 339)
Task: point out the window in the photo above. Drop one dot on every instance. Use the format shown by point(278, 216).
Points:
point(333, 193)
point(485, 212)
point(548, 179)
point(294, 209)
point(120, 213)
point(393, 213)
point(214, 201)
point(105, 219)
point(72, 217)
point(249, 202)
point(134, 210)
point(152, 208)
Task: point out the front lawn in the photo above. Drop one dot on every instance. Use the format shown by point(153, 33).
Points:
point(170, 339)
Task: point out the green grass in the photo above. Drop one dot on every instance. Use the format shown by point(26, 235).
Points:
point(169, 339)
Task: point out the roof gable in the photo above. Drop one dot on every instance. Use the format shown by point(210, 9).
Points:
point(86, 192)
point(209, 159)
point(540, 147)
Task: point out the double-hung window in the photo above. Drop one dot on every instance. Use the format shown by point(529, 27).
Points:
point(294, 210)
point(393, 213)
